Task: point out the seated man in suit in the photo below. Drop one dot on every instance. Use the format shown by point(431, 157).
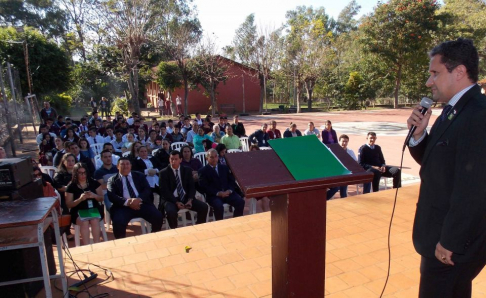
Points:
point(131, 197)
point(370, 157)
point(74, 149)
point(177, 191)
point(219, 185)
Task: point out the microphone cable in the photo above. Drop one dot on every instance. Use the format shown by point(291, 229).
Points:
point(389, 227)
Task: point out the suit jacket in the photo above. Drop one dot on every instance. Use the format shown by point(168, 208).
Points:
point(168, 184)
point(115, 189)
point(452, 202)
point(163, 157)
point(288, 133)
point(212, 182)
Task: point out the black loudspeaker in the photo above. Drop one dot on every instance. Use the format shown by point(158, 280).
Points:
point(15, 173)
point(25, 263)
point(32, 190)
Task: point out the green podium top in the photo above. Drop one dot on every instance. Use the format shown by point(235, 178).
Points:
point(308, 158)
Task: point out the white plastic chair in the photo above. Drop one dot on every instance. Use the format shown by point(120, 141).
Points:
point(77, 232)
point(178, 145)
point(126, 153)
point(244, 144)
point(252, 207)
point(266, 148)
point(144, 225)
point(233, 150)
point(97, 160)
point(202, 157)
point(97, 148)
point(50, 170)
point(154, 151)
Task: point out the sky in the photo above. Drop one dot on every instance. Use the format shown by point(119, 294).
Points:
point(221, 18)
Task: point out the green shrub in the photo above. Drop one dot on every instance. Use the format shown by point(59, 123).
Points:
point(60, 102)
point(119, 105)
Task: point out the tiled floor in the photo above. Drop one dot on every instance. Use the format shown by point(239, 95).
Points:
point(232, 258)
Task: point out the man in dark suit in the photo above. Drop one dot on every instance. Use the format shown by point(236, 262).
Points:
point(450, 222)
point(74, 149)
point(219, 185)
point(130, 194)
point(177, 191)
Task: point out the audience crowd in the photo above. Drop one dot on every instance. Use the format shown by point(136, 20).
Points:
point(122, 162)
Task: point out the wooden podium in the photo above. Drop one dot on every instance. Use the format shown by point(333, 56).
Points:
point(298, 216)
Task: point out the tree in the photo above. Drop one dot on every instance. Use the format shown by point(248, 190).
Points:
point(308, 45)
point(400, 32)
point(49, 64)
point(130, 26)
point(168, 78)
point(180, 34)
point(208, 70)
point(257, 50)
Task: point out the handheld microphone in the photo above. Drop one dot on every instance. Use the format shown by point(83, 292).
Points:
point(426, 103)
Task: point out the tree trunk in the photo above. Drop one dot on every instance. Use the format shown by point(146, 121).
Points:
point(81, 40)
point(214, 104)
point(309, 86)
point(262, 93)
point(397, 85)
point(130, 101)
point(136, 100)
point(186, 94)
point(297, 97)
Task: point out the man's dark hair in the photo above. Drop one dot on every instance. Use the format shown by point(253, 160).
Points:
point(83, 119)
point(105, 151)
point(94, 112)
point(60, 117)
point(170, 121)
point(186, 118)
point(118, 131)
point(107, 144)
point(343, 137)
point(371, 133)
point(50, 119)
point(42, 126)
point(124, 158)
point(459, 52)
point(93, 128)
point(175, 152)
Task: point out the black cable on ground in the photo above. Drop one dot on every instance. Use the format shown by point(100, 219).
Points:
point(78, 271)
point(389, 230)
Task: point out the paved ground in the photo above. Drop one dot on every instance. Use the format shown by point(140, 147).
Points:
point(232, 258)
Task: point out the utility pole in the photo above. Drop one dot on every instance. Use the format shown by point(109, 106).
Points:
point(26, 58)
point(14, 99)
point(7, 114)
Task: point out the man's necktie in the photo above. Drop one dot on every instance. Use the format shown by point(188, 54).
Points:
point(131, 192)
point(216, 170)
point(445, 112)
point(180, 189)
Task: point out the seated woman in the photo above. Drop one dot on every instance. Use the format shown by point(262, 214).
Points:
point(70, 136)
point(134, 151)
point(47, 188)
point(217, 134)
point(85, 149)
point(148, 166)
point(205, 126)
point(61, 179)
point(198, 138)
point(329, 135)
point(81, 194)
point(189, 161)
point(59, 146)
point(151, 142)
point(45, 148)
point(163, 154)
point(221, 149)
point(292, 131)
point(127, 145)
